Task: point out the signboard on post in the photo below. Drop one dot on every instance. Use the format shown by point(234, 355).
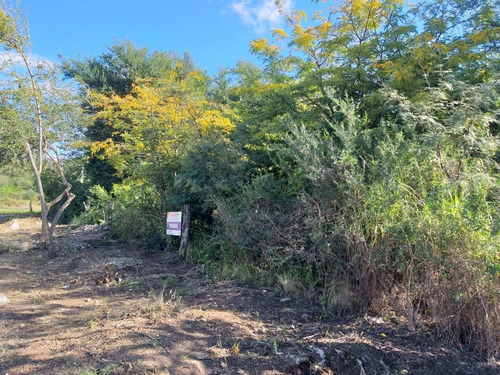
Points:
point(174, 223)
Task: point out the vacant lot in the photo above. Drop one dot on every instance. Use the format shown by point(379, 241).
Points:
point(95, 306)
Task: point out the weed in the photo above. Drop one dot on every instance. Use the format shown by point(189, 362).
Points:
point(109, 369)
point(87, 370)
point(285, 331)
point(236, 348)
point(94, 324)
point(39, 298)
point(273, 344)
point(219, 341)
point(327, 333)
point(159, 306)
point(170, 281)
point(134, 282)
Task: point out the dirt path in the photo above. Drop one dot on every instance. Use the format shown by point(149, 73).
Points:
point(99, 307)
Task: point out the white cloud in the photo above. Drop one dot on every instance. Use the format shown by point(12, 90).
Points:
point(10, 58)
point(262, 15)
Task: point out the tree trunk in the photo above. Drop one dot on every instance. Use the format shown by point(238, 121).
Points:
point(44, 235)
point(186, 216)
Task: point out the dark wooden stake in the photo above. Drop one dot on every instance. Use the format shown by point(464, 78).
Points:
point(186, 220)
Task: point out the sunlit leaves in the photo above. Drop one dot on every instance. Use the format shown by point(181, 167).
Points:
point(279, 33)
point(12, 33)
point(261, 46)
point(157, 120)
point(361, 17)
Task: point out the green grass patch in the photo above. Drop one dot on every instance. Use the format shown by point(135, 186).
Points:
point(25, 212)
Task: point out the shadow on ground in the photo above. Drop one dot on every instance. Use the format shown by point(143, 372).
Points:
point(100, 307)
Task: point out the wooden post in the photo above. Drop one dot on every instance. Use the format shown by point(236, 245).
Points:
point(186, 216)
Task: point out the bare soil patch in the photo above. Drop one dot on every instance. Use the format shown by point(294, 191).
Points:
point(95, 306)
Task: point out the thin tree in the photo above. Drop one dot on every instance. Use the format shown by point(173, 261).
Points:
point(35, 111)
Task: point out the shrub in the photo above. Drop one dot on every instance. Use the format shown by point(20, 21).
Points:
point(403, 216)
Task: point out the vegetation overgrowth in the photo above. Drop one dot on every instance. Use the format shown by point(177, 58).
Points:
point(17, 189)
point(359, 165)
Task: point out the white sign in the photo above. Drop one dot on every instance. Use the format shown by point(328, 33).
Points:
point(174, 223)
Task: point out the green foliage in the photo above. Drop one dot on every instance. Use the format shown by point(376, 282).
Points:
point(98, 207)
point(363, 166)
point(16, 185)
point(162, 138)
point(213, 167)
point(134, 212)
point(358, 212)
point(139, 214)
point(75, 172)
point(113, 74)
point(38, 113)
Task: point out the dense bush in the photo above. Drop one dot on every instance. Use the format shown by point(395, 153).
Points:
point(402, 217)
point(134, 212)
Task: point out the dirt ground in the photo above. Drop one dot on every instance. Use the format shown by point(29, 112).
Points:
point(95, 306)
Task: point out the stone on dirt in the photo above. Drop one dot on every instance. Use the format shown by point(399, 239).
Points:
point(3, 299)
point(14, 224)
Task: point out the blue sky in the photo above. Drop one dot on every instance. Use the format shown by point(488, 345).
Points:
point(216, 33)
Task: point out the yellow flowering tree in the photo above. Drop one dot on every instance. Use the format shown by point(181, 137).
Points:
point(154, 125)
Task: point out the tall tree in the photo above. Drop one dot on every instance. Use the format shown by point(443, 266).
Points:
point(36, 112)
point(156, 124)
point(113, 73)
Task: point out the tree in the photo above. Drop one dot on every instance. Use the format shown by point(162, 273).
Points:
point(356, 47)
point(114, 73)
point(155, 125)
point(36, 111)
point(150, 131)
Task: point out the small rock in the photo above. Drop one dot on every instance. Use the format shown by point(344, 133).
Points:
point(375, 320)
point(318, 351)
point(3, 299)
point(223, 364)
point(14, 224)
